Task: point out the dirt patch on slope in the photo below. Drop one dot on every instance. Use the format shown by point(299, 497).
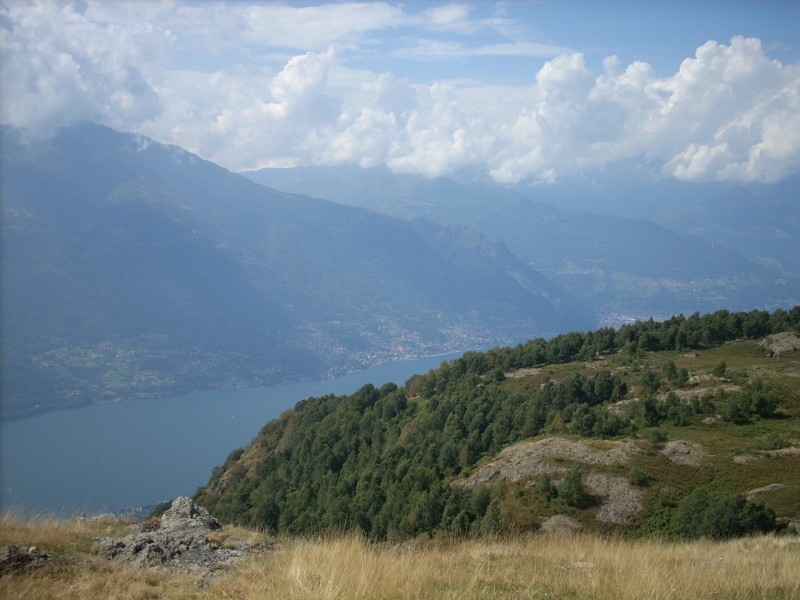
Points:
point(529, 459)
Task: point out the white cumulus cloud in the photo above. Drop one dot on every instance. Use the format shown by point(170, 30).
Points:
point(59, 66)
point(252, 85)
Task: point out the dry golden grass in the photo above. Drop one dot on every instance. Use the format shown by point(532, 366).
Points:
point(349, 567)
point(539, 567)
point(81, 573)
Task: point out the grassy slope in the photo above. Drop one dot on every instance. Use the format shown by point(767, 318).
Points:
point(350, 567)
point(724, 441)
point(721, 441)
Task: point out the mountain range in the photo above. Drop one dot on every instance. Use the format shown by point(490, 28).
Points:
point(659, 248)
point(131, 268)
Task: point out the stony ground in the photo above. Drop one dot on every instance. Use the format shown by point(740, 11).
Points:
point(186, 538)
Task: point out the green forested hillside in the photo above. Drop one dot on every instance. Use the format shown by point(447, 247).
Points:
point(675, 421)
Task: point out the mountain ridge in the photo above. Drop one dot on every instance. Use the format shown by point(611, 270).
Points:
point(131, 269)
point(631, 267)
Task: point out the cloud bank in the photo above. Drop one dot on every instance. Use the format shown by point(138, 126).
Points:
point(250, 86)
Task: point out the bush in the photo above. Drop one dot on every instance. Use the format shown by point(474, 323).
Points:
point(545, 487)
point(736, 409)
point(656, 437)
point(638, 477)
point(702, 515)
point(571, 490)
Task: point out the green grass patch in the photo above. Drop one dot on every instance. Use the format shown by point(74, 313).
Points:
point(784, 501)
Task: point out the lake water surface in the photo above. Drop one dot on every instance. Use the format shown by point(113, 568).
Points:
point(115, 456)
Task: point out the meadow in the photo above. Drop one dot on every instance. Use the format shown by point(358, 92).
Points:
point(351, 567)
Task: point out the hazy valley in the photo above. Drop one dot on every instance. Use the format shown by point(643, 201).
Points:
point(636, 249)
point(134, 269)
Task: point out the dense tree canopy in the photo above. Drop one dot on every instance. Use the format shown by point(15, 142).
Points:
point(382, 460)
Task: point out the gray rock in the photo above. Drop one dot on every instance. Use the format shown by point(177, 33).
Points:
point(185, 514)
point(682, 452)
point(560, 525)
point(621, 500)
point(15, 559)
point(185, 541)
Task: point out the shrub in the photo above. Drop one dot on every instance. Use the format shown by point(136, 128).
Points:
point(702, 515)
point(656, 436)
point(737, 409)
point(719, 369)
point(545, 487)
point(571, 490)
point(638, 477)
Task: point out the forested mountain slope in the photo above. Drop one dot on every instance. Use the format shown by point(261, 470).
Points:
point(658, 427)
point(131, 268)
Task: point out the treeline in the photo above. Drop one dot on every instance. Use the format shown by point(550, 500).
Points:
point(382, 460)
point(677, 333)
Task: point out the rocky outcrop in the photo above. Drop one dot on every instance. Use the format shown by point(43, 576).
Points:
point(746, 459)
point(620, 500)
point(682, 452)
point(750, 495)
point(780, 343)
point(529, 459)
point(185, 514)
point(560, 525)
point(187, 539)
point(16, 559)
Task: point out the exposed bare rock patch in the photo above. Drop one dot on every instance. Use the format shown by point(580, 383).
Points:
point(682, 452)
point(189, 539)
point(185, 514)
point(687, 395)
point(519, 373)
point(780, 343)
point(619, 406)
point(529, 459)
point(620, 501)
point(790, 451)
point(561, 525)
point(16, 559)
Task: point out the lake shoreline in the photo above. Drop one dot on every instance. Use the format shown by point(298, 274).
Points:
point(121, 455)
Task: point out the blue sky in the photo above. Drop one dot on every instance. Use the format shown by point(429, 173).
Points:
point(662, 33)
point(520, 91)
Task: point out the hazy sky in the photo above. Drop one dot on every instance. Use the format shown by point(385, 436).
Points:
point(699, 90)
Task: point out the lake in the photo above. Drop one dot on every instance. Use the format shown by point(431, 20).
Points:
point(108, 457)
